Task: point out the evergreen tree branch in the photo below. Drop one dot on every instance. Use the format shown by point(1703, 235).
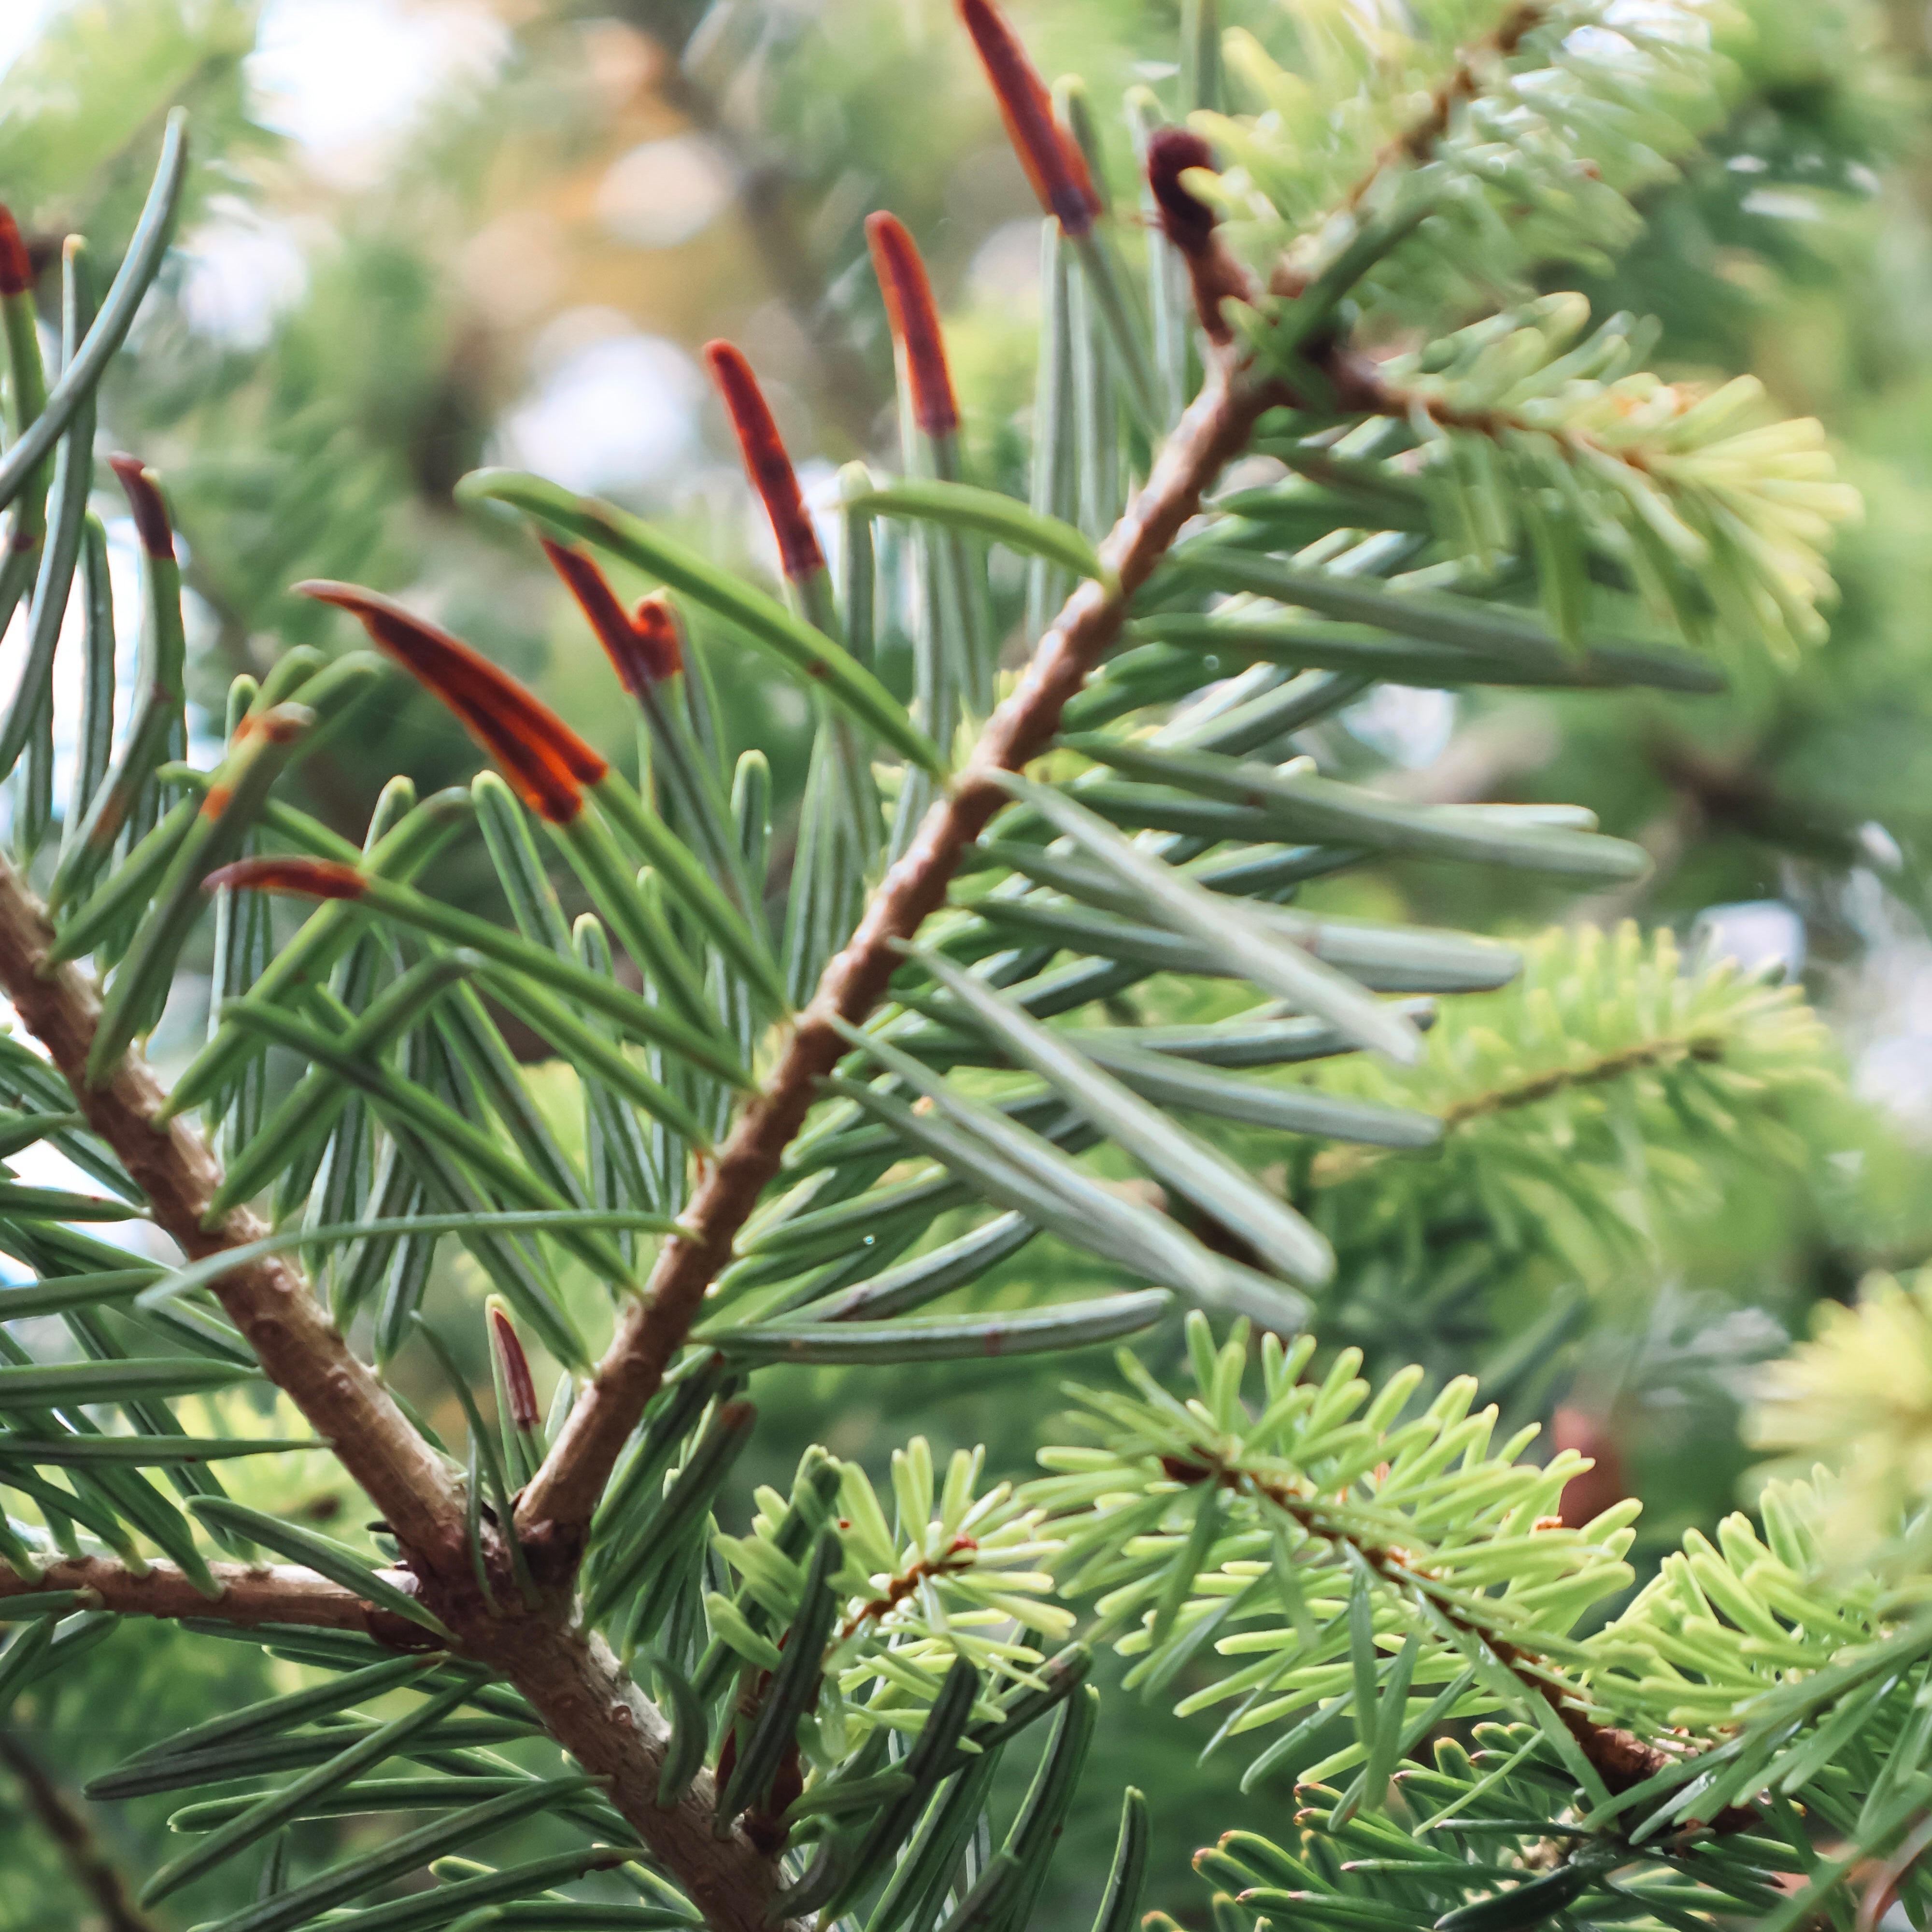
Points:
point(1706, 1044)
point(94, 1871)
point(555, 1506)
point(1619, 1757)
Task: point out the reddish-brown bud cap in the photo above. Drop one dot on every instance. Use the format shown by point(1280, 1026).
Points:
point(766, 462)
point(518, 1385)
point(301, 878)
point(542, 756)
point(152, 524)
point(1188, 222)
point(914, 318)
point(1051, 156)
point(16, 267)
point(644, 647)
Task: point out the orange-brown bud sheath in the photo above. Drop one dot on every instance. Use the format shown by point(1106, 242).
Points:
point(1051, 157)
point(659, 634)
point(301, 878)
point(766, 462)
point(517, 1383)
point(1189, 223)
point(914, 319)
point(644, 647)
point(546, 760)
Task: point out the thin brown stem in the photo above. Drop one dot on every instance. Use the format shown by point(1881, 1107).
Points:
point(63, 1821)
point(1362, 387)
point(1621, 1758)
point(555, 1506)
point(1331, 1169)
point(250, 1593)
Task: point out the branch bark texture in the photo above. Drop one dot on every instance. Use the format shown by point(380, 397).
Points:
point(267, 1300)
point(251, 1593)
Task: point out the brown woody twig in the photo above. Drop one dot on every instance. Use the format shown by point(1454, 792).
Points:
point(251, 1593)
point(94, 1871)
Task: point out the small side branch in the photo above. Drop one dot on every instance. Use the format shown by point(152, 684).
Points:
point(1416, 143)
point(251, 1593)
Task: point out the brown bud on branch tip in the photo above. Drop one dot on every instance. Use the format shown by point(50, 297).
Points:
point(299, 878)
point(542, 756)
point(644, 647)
point(518, 1385)
point(152, 524)
point(1189, 223)
point(1050, 155)
point(914, 319)
point(766, 462)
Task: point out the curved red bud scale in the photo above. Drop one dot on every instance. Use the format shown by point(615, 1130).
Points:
point(914, 318)
point(542, 756)
point(766, 462)
point(517, 1383)
point(659, 633)
point(1051, 157)
point(298, 878)
point(636, 645)
point(17, 266)
point(152, 524)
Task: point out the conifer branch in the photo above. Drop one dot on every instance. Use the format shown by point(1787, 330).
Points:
point(1621, 1758)
point(1333, 1165)
point(556, 1506)
point(583, 1697)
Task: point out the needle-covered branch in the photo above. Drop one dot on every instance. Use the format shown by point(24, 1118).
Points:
point(556, 1508)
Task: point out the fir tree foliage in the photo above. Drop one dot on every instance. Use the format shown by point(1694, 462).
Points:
point(550, 1625)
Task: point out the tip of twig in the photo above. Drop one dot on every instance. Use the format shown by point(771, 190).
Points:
point(152, 524)
point(17, 266)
